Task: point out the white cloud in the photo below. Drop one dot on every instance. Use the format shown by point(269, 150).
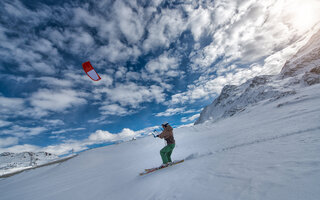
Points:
point(9, 106)
point(163, 65)
point(15, 9)
point(132, 76)
point(170, 112)
point(124, 135)
point(121, 71)
point(199, 20)
point(164, 28)
point(8, 141)
point(83, 16)
point(55, 82)
point(21, 131)
point(56, 100)
point(163, 69)
point(68, 130)
point(132, 94)
point(114, 109)
point(224, 11)
point(101, 135)
point(190, 119)
point(175, 111)
point(4, 123)
point(116, 51)
point(101, 120)
point(249, 32)
point(54, 122)
point(130, 22)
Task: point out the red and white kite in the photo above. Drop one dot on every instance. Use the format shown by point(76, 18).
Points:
point(87, 67)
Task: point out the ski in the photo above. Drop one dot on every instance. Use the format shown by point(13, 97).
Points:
point(147, 171)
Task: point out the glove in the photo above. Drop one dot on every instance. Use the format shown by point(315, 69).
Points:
point(157, 136)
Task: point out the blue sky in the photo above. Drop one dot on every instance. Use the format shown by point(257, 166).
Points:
point(158, 60)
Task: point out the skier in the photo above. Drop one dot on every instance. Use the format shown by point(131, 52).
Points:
point(166, 151)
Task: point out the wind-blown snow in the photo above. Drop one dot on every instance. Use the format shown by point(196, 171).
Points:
point(269, 151)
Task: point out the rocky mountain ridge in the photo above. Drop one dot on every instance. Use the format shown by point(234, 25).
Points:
point(302, 70)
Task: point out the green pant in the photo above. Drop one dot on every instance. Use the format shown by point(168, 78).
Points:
point(166, 153)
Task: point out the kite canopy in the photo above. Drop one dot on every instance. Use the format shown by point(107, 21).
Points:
point(87, 67)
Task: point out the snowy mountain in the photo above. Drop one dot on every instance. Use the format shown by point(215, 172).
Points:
point(12, 162)
point(301, 71)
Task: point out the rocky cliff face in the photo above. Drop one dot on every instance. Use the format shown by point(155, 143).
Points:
point(301, 71)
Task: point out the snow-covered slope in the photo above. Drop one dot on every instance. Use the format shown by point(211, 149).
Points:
point(12, 162)
point(301, 71)
point(269, 151)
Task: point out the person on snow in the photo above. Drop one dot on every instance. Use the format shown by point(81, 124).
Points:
point(166, 151)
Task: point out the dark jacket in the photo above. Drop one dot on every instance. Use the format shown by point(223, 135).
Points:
point(167, 134)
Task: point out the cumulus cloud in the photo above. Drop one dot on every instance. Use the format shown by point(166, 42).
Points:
point(9, 106)
point(131, 22)
point(164, 65)
point(164, 28)
point(56, 100)
point(8, 141)
point(125, 134)
point(55, 82)
point(199, 20)
point(113, 109)
point(116, 51)
point(132, 95)
point(250, 32)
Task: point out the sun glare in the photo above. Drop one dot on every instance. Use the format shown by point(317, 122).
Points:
point(304, 14)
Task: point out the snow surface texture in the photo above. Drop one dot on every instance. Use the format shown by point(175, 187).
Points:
point(13, 162)
point(301, 71)
point(269, 151)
